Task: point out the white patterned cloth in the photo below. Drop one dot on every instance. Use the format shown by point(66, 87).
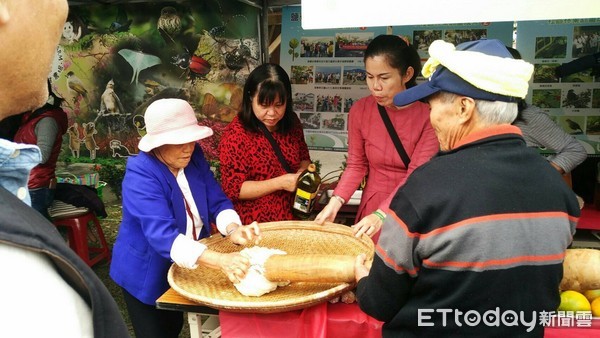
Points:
point(504, 76)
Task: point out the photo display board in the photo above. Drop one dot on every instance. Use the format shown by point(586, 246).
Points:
point(327, 70)
point(566, 79)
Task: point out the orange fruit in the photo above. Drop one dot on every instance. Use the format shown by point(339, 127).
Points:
point(596, 307)
point(573, 301)
point(591, 294)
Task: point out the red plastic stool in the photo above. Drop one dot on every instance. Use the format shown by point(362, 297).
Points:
point(85, 236)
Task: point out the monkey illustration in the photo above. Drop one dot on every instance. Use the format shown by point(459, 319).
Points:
point(74, 140)
point(118, 149)
point(89, 129)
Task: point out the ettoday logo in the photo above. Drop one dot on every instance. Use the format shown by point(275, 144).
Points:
point(491, 318)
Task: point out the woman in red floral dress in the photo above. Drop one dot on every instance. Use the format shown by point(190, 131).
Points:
point(252, 176)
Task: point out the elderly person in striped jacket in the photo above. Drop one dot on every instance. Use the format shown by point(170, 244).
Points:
point(460, 251)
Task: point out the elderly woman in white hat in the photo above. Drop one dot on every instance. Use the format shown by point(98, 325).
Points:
point(477, 234)
point(170, 200)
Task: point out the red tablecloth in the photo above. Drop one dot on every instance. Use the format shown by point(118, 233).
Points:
point(576, 330)
point(338, 320)
point(590, 218)
point(319, 321)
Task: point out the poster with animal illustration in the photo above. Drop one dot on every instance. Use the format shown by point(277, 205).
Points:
point(114, 60)
point(566, 76)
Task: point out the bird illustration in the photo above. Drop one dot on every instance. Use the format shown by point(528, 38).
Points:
point(69, 34)
point(139, 124)
point(571, 96)
point(76, 87)
point(169, 24)
point(139, 61)
point(121, 23)
point(575, 127)
point(110, 104)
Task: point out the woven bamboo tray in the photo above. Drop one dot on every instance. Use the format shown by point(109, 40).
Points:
point(211, 287)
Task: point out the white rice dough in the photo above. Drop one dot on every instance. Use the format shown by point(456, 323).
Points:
point(254, 283)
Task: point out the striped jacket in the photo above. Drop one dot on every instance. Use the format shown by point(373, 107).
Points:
point(481, 228)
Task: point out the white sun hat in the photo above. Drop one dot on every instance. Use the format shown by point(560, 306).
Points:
point(171, 121)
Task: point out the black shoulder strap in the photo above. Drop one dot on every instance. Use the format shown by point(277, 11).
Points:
point(394, 135)
point(276, 148)
point(35, 114)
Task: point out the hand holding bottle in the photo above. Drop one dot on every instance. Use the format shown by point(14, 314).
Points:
point(307, 187)
point(288, 181)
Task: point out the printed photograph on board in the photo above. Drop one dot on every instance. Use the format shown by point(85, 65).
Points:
point(352, 44)
point(328, 75)
point(576, 98)
point(593, 125)
point(458, 36)
point(303, 101)
point(550, 47)
point(316, 47)
point(354, 76)
point(586, 40)
point(334, 121)
point(546, 98)
point(573, 125)
point(329, 103)
point(423, 38)
point(349, 100)
point(596, 98)
point(545, 73)
point(302, 75)
point(310, 120)
point(325, 140)
point(583, 76)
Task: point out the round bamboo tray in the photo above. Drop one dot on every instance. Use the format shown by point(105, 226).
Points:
point(211, 287)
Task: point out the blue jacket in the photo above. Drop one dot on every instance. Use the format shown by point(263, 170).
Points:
point(154, 215)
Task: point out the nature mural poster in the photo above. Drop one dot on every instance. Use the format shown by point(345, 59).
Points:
point(114, 60)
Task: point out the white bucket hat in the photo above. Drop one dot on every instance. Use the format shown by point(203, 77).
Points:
point(171, 121)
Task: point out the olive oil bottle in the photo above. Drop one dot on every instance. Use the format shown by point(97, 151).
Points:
point(307, 188)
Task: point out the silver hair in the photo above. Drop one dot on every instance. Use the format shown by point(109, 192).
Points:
point(490, 112)
point(496, 112)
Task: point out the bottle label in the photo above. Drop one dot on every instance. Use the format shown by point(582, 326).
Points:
point(303, 194)
point(304, 201)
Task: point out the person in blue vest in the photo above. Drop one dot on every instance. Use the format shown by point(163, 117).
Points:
point(170, 201)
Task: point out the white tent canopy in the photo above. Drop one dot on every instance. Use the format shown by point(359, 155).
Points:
point(325, 14)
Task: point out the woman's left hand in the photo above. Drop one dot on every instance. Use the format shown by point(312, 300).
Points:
point(234, 266)
point(369, 225)
point(243, 235)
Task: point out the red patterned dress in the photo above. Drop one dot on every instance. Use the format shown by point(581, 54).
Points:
point(248, 156)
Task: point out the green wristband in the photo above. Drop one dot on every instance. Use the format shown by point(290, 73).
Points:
point(378, 214)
